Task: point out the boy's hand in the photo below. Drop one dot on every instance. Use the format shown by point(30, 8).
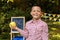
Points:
point(12, 25)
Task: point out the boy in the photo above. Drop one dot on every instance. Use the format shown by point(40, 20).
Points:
point(35, 29)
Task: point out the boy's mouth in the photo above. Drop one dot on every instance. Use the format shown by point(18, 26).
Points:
point(35, 15)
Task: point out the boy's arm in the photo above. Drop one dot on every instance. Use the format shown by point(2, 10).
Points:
point(45, 32)
point(23, 32)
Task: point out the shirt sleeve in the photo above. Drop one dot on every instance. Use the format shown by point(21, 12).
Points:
point(45, 32)
point(24, 32)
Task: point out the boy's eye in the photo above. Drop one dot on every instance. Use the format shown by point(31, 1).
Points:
point(38, 11)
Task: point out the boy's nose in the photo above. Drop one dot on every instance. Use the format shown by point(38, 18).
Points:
point(35, 13)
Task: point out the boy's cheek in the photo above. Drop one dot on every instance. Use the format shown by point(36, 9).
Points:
point(40, 14)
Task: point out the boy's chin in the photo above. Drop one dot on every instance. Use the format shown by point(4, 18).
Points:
point(36, 17)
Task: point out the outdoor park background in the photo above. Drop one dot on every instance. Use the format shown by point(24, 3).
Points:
point(16, 8)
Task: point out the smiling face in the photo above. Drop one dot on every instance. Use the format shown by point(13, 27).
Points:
point(36, 12)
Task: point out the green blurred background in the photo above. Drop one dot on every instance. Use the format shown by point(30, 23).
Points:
point(16, 8)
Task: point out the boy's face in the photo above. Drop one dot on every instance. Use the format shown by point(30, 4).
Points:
point(36, 12)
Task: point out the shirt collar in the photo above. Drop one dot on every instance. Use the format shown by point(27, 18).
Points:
point(35, 21)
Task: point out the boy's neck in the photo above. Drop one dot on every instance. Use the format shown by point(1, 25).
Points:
point(36, 19)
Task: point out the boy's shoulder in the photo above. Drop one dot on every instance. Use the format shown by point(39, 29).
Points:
point(44, 23)
point(28, 22)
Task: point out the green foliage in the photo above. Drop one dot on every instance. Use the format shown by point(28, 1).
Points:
point(50, 6)
point(22, 8)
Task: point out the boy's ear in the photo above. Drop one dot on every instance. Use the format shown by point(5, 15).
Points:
point(30, 13)
point(42, 13)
